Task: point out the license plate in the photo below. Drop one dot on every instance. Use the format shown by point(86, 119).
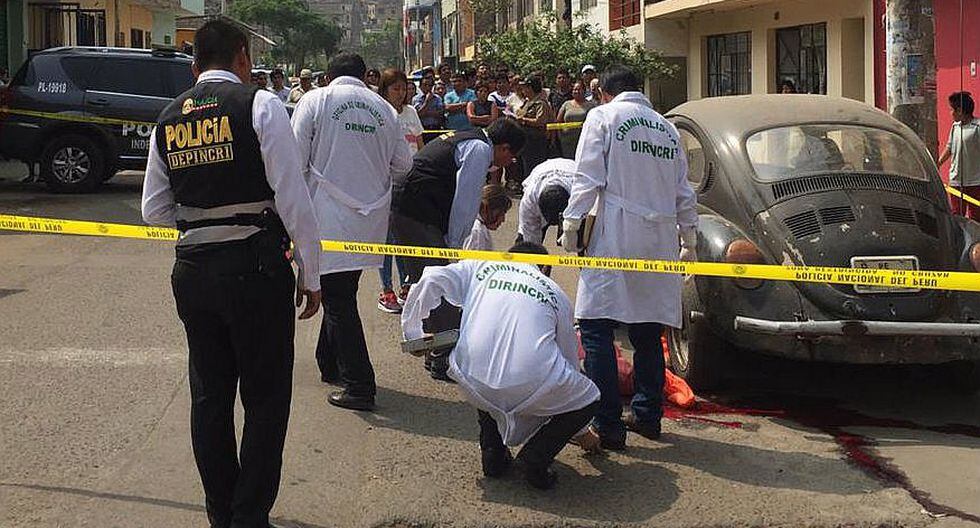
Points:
point(909, 262)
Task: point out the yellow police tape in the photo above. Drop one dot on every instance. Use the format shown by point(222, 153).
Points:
point(75, 118)
point(932, 280)
point(962, 196)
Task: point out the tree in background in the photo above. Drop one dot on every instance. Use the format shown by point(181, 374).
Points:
point(302, 35)
point(540, 47)
point(382, 49)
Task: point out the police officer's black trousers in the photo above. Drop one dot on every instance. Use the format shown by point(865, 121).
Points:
point(341, 351)
point(239, 316)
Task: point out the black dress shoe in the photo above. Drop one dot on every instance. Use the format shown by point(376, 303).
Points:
point(441, 375)
point(540, 478)
point(612, 444)
point(650, 431)
point(344, 399)
point(496, 462)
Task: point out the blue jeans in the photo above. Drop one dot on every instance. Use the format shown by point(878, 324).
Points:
point(386, 283)
point(600, 367)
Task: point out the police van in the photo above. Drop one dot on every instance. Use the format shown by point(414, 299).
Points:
point(82, 114)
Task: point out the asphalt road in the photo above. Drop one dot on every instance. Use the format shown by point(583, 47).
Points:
point(94, 420)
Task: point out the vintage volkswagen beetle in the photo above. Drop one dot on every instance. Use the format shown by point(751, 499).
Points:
point(815, 180)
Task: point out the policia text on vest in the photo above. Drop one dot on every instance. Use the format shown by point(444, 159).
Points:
point(198, 142)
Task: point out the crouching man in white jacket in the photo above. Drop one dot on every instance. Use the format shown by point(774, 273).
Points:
point(516, 360)
point(631, 167)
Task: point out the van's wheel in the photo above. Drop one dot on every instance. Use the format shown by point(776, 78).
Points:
point(696, 353)
point(73, 164)
point(965, 377)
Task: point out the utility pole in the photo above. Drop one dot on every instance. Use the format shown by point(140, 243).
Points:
point(911, 66)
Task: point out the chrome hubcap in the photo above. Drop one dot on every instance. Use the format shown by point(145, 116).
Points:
point(71, 165)
point(677, 341)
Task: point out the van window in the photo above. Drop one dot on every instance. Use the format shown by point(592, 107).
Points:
point(131, 77)
point(181, 77)
point(79, 70)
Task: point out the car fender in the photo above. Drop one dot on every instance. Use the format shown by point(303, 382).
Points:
point(721, 298)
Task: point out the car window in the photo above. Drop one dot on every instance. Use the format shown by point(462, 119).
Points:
point(79, 70)
point(695, 157)
point(181, 77)
point(129, 76)
point(788, 152)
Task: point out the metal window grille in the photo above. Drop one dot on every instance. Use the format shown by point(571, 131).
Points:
point(802, 57)
point(729, 62)
point(623, 13)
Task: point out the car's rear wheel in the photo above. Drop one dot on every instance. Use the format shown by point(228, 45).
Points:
point(73, 164)
point(696, 353)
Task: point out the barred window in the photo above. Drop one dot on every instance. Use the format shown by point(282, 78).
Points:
point(623, 13)
point(729, 63)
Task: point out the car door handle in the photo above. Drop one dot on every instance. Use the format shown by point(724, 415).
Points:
point(99, 102)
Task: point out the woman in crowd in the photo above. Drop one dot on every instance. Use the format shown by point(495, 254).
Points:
point(573, 111)
point(394, 88)
point(482, 112)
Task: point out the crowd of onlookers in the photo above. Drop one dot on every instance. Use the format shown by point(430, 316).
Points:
point(446, 99)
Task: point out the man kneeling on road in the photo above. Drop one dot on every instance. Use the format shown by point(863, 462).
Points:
point(546, 192)
point(516, 360)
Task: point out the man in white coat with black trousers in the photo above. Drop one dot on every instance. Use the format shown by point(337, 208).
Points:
point(352, 150)
point(630, 166)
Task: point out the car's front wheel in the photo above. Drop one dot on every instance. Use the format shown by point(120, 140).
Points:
point(696, 353)
point(73, 164)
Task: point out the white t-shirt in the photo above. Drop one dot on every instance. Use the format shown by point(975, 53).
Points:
point(964, 145)
point(282, 94)
point(480, 238)
point(411, 127)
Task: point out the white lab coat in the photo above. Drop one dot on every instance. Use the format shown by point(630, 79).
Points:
point(517, 354)
point(351, 148)
point(556, 171)
point(480, 238)
point(630, 164)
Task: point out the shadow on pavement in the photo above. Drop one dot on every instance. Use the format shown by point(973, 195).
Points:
point(424, 416)
point(164, 503)
point(751, 465)
point(630, 492)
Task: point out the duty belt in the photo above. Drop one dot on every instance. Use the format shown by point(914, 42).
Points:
point(223, 224)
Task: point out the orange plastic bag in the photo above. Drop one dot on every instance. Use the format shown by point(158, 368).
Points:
point(676, 390)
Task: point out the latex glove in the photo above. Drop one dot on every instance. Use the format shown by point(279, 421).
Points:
point(689, 245)
point(569, 234)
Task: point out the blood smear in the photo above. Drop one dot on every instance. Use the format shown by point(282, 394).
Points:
point(828, 417)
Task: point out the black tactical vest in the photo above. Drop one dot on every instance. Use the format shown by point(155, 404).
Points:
point(428, 192)
point(206, 139)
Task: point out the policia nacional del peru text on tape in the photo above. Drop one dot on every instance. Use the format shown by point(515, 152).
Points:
point(932, 280)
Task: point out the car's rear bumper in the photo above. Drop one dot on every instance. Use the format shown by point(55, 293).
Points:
point(852, 328)
point(858, 342)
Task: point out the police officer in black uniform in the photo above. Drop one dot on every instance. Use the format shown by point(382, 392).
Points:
point(224, 169)
point(437, 203)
